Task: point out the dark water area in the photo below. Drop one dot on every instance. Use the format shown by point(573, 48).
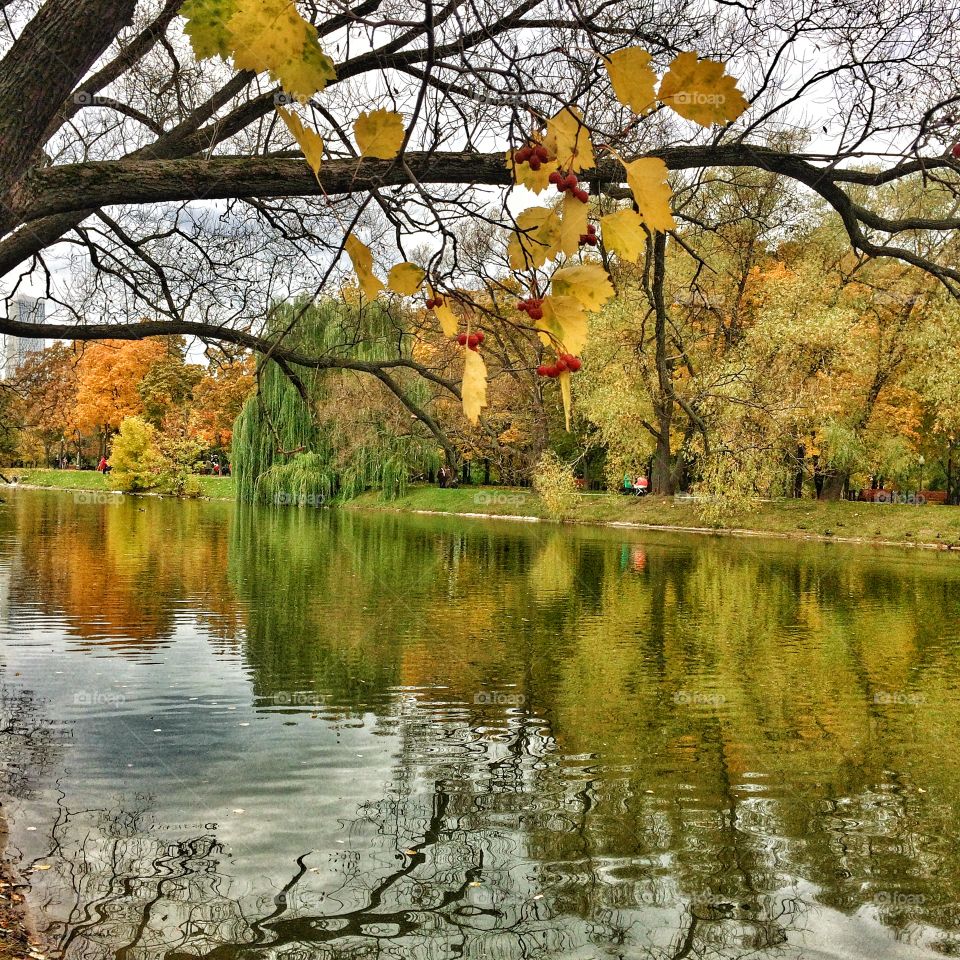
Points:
point(249, 733)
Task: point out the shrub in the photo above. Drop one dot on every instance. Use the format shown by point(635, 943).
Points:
point(554, 483)
point(135, 456)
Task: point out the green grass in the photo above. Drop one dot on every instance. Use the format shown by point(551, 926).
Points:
point(881, 522)
point(216, 488)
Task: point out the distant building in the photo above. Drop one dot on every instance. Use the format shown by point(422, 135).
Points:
point(14, 350)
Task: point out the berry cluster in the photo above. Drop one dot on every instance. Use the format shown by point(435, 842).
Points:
point(569, 182)
point(533, 308)
point(533, 154)
point(565, 361)
point(590, 237)
point(472, 340)
point(435, 302)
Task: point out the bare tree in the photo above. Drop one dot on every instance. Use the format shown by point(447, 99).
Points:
point(147, 194)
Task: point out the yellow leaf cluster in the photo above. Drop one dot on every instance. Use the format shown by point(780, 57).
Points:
point(309, 141)
point(536, 239)
point(266, 36)
point(473, 390)
point(573, 223)
point(568, 140)
point(632, 79)
point(701, 90)
point(524, 175)
point(405, 278)
point(564, 323)
point(362, 260)
point(379, 134)
point(623, 234)
point(587, 283)
point(449, 323)
point(647, 178)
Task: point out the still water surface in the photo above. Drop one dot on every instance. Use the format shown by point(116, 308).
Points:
point(280, 733)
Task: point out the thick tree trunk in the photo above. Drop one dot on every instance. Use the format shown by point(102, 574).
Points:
point(834, 486)
point(42, 68)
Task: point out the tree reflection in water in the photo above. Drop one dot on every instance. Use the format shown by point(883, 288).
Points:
point(591, 754)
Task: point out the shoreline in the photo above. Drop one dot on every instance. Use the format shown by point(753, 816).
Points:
point(674, 528)
point(925, 527)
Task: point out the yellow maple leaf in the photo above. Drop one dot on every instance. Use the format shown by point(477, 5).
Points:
point(207, 27)
point(362, 261)
point(473, 390)
point(647, 178)
point(632, 79)
point(569, 141)
point(574, 223)
point(566, 396)
point(587, 282)
point(524, 175)
point(379, 134)
point(309, 141)
point(700, 90)
point(271, 36)
point(405, 278)
point(307, 74)
point(564, 324)
point(265, 33)
point(449, 323)
point(536, 239)
point(623, 233)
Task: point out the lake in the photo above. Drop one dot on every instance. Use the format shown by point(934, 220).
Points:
point(264, 733)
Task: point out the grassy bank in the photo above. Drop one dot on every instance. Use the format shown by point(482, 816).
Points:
point(216, 488)
point(868, 522)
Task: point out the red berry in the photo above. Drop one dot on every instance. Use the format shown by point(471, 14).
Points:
point(535, 313)
point(543, 370)
point(591, 228)
point(481, 336)
point(556, 177)
point(522, 155)
point(574, 364)
point(582, 195)
point(473, 340)
point(534, 163)
point(462, 339)
point(560, 365)
point(956, 150)
point(541, 152)
point(584, 237)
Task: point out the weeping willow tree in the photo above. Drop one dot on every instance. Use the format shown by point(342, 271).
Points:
point(345, 437)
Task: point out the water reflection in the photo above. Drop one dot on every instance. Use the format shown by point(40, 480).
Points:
point(340, 735)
